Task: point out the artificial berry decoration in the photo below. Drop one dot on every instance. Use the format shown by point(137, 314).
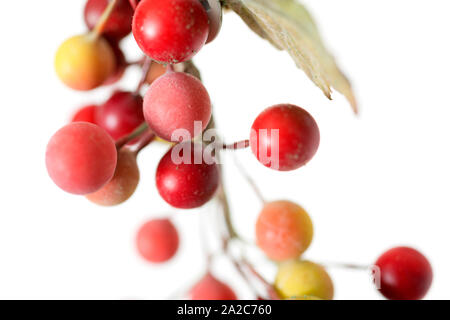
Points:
point(85, 114)
point(96, 154)
point(120, 114)
point(284, 137)
point(210, 288)
point(405, 274)
point(176, 101)
point(284, 230)
point(81, 158)
point(170, 31)
point(119, 23)
point(186, 185)
point(85, 62)
point(157, 240)
point(123, 184)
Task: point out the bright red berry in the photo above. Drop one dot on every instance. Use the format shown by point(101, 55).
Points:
point(291, 130)
point(210, 288)
point(186, 185)
point(119, 23)
point(85, 114)
point(170, 31)
point(121, 114)
point(157, 240)
point(405, 274)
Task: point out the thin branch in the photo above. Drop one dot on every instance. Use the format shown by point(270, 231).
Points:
point(136, 133)
point(100, 26)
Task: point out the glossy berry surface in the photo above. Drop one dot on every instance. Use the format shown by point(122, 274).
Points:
point(175, 101)
point(214, 11)
point(120, 114)
point(405, 274)
point(210, 288)
point(186, 185)
point(283, 230)
point(119, 23)
point(84, 63)
point(81, 158)
point(122, 185)
point(85, 114)
point(170, 31)
point(297, 279)
point(157, 240)
point(298, 139)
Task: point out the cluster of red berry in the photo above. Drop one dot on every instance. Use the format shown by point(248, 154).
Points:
point(95, 155)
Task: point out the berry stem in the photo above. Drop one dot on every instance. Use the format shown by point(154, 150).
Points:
point(341, 265)
point(145, 70)
point(237, 145)
point(249, 180)
point(100, 26)
point(144, 141)
point(136, 133)
point(133, 4)
point(270, 290)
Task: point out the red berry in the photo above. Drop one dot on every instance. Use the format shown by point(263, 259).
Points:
point(210, 288)
point(405, 274)
point(121, 114)
point(298, 138)
point(170, 31)
point(81, 158)
point(85, 114)
point(175, 101)
point(119, 23)
point(157, 241)
point(186, 185)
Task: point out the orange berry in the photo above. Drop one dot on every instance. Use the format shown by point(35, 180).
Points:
point(284, 230)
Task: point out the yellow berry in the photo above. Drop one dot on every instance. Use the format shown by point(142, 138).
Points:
point(84, 62)
point(303, 278)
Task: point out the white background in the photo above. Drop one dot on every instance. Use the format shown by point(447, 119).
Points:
point(378, 181)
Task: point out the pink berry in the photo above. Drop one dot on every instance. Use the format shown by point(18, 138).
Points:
point(81, 158)
point(175, 101)
point(157, 240)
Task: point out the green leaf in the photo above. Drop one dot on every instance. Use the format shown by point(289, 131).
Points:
point(287, 25)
